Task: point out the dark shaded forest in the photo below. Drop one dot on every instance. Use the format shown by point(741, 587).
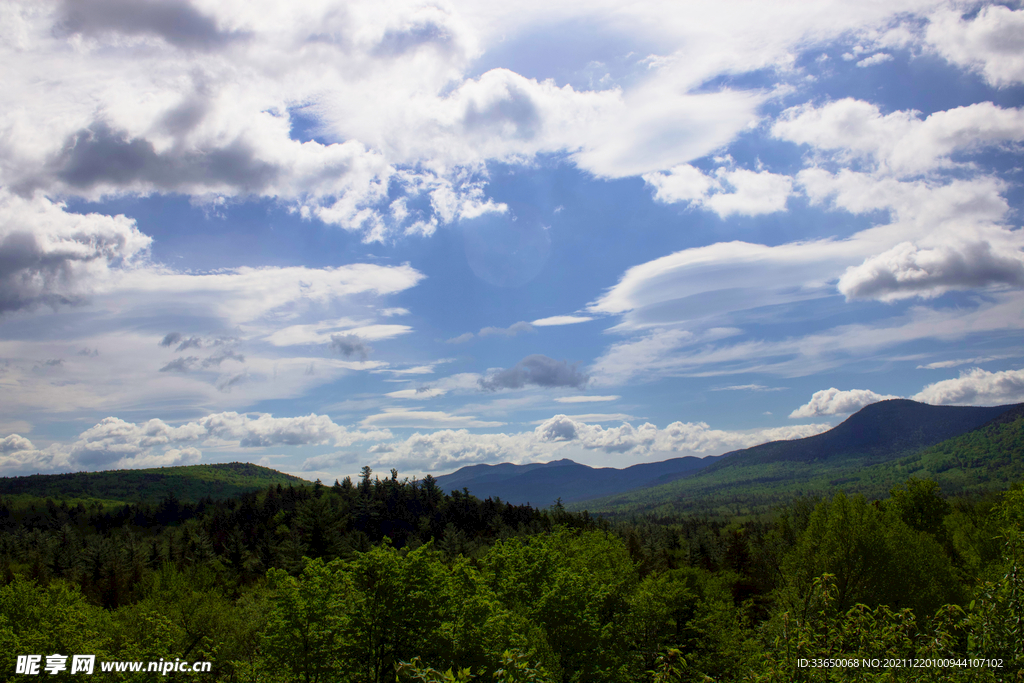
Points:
point(388, 579)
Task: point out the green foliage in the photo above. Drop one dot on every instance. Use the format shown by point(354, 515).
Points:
point(308, 618)
point(390, 579)
point(49, 619)
point(875, 557)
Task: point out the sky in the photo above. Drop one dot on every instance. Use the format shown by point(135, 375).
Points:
point(420, 235)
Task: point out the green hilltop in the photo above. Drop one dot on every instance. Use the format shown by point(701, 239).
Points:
point(186, 483)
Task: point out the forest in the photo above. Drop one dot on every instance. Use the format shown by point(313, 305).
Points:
point(387, 579)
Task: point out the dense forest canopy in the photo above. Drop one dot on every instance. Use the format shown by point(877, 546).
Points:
point(388, 579)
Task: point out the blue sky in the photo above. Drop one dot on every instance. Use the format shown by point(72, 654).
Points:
point(424, 235)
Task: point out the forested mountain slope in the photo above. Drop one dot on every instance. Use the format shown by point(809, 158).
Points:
point(860, 455)
point(187, 483)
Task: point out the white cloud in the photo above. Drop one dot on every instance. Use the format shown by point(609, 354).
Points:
point(15, 442)
point(991, 43)
point(462, 382)
point(726, 192)
point(461, 339)
point(748, 387)
point(114, 443)
point(325, 331)
point(835, 402)
point(561, 320)
point(49, 256)
point(398, 417)
point(205, 104)
point(448, 449)
point(695, 438)
point(942, 364)
point(907, 271)
point(586, 399)
point(102, 292)
point(976, 387)
point(723, 278)
point(510, 331)
point(900, 143)
point(877, 58)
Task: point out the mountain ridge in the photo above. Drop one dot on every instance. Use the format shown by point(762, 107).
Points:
point(879, 432)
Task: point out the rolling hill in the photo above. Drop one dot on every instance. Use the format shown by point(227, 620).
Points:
point(187, 483)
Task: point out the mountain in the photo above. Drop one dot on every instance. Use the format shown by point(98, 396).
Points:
point(541, 484)
point(991, 456)
point(879, 433)
point(187, 483)
point(868, 453)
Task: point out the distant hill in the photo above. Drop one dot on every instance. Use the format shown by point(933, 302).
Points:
point(879, 433)
point(541, 484)
point(868, 453)
point(187, 483)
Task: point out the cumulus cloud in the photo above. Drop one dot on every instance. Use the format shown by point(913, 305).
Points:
point(875, 59)
point(538, 370)
point(835, 402)
point(680, 437)
point(901, 143)
point(976, 387)
point(50, 257)
point(726, 192)
point(116, 443)
point(907, 270)
point(15, 442)
point(991, 43)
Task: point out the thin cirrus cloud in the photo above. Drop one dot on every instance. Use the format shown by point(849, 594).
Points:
point(586, 399)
